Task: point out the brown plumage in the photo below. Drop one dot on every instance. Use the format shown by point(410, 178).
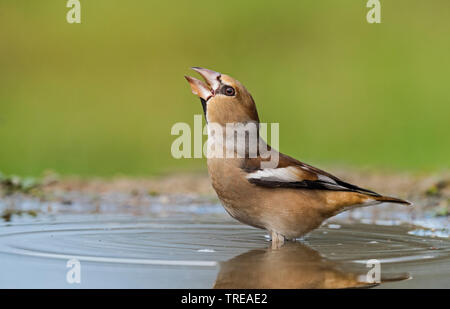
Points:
point(288, 198)
point(293, 266)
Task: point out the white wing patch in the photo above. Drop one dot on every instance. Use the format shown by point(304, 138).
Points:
point(284, 174)
point(290, 174)
point(326, 179)
point(291, 177)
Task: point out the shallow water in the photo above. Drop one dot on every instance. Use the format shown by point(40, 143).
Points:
point(201, 248)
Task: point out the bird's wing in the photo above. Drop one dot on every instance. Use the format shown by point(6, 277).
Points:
point(291, 173)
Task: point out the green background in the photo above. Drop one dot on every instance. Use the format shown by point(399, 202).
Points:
point(100, 97)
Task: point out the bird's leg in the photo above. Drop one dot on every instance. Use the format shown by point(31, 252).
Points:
point(277, 240)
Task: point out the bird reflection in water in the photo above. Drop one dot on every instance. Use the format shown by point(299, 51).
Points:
point(292, 266)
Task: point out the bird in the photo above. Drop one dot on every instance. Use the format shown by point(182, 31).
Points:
point(293, 266)
point(286, 197)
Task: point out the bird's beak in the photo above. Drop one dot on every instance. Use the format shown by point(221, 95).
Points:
point(199, 88)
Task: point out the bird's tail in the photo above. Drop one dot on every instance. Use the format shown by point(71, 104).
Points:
point(388, 199)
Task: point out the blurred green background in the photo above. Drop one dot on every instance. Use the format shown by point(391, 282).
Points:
point(100, 97)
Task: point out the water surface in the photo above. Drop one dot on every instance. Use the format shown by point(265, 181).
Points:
point(206, 249)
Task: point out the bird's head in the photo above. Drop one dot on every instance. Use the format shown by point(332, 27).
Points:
point(224, 99)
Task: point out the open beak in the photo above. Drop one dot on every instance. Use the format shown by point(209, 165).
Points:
point(199, 88)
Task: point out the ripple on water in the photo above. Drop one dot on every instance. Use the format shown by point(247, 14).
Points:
point(204, 251)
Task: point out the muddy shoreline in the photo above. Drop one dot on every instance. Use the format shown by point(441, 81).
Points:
point(430, 193)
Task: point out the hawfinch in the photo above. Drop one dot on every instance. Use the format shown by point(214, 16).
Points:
point(292, 266)
point(288, 198)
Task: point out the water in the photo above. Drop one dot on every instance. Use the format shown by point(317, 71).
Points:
point(201, 247)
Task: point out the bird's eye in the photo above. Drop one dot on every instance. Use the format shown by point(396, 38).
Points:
point(229, 91)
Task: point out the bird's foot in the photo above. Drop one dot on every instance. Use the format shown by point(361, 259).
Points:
point(277, 240)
